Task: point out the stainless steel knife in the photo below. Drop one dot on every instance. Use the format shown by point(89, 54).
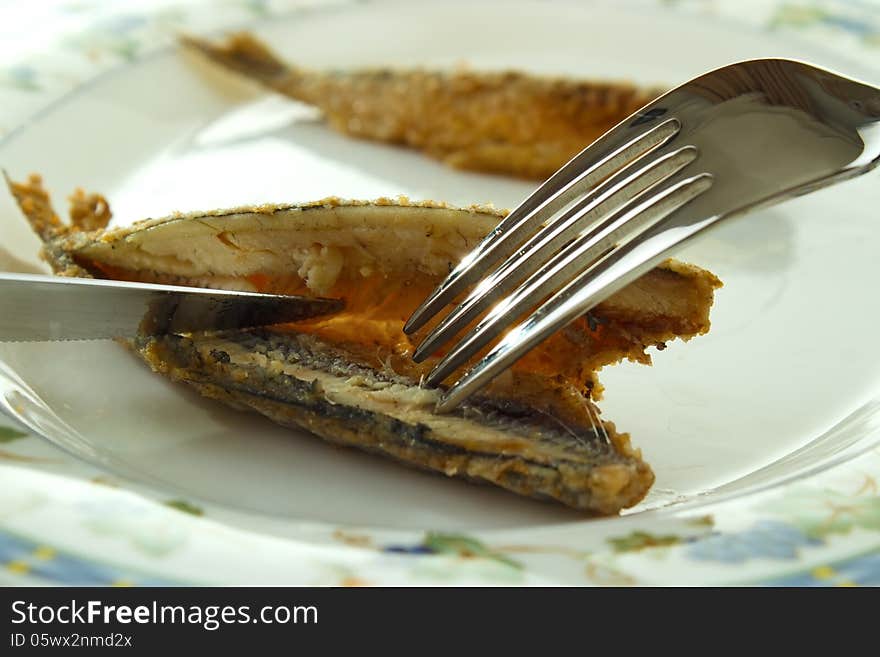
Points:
point(40, 308)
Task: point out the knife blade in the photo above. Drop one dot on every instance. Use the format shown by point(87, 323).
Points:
point(43, 308)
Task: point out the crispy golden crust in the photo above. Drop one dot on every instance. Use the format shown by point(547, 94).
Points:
point(89, 211)
point(507, 122)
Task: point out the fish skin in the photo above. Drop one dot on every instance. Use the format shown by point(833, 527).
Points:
point(506, 122)
point(525, 434)
point(598, 476)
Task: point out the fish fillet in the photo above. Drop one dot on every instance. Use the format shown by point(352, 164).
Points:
point(348, 377)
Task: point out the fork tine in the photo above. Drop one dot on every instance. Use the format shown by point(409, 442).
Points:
point(594, 209)
point(553, 276)
point(620, 228)
point(576, 177)
point(559, 310)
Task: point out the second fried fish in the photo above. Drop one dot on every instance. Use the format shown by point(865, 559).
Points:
point(510, 122)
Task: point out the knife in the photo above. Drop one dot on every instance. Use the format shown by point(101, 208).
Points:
point(40, 308)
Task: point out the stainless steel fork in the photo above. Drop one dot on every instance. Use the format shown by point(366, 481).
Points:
point(740, 137)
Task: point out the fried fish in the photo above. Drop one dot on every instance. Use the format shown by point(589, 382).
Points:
point(509, 122)
point(348, 377)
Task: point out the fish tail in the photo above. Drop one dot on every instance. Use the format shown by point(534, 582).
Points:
point(34, 202)
point(243, 53)
point(87, 211)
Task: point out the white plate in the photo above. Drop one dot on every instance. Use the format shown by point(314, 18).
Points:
point(786, 383)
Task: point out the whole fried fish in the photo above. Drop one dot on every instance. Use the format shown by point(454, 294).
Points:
point(349, 377)
point(508, 122)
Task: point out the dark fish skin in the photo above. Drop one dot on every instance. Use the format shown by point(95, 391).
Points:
point(578, 466)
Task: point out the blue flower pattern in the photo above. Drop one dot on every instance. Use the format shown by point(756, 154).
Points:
point(408, 549)
point(863, 570)
point(767, 539)
point(24, 557)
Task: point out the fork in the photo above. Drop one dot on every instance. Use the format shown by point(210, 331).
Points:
point(743, 136)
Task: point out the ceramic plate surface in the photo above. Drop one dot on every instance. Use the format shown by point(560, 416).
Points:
point(786, 384)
